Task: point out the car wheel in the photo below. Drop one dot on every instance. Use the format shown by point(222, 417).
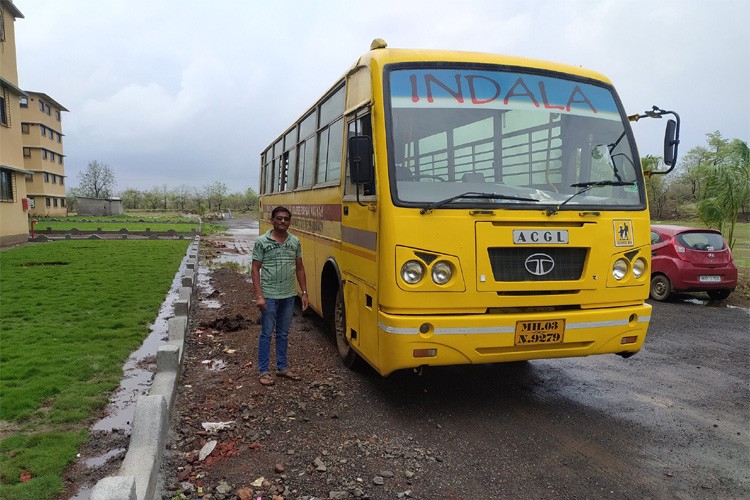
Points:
point(661, 287)
point(347, 354)
point(719, 294)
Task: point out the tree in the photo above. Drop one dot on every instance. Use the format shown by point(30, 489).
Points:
point(216, 193)
point(182, 196)
point(251, 200)
point(657, 187)
point(726, 184)
point(97, 181)
point(131, 199)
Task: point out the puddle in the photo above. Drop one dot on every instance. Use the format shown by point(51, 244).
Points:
point(137, 378)
point(94, 462)
point(243, 260)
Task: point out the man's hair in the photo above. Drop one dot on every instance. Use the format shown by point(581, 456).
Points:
point(280, 209)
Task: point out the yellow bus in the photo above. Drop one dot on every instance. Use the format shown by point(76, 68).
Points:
point(460, 208)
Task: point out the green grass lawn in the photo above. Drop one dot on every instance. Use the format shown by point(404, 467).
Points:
point(71, 312)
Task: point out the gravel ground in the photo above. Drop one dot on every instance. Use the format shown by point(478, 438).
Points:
point(297, 439)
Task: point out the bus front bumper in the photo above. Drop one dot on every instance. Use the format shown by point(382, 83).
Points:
point(432, 340)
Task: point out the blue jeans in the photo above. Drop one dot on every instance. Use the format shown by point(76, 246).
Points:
point(278, 315)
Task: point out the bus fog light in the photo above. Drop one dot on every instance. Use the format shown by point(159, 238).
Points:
point(442, 272)
point(639, 267)
point(424, 353)
point(629, 340)
point(412, 272)
point(620, 269)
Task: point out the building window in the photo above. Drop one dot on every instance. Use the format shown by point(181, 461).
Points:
point(3, 111)
point(24, 102)
point(48, 202)
point(62, 202)
point(62, 180)
point(27, 152)
point(25, 128)
point(6, 185)
point(54, 179)
point(54, 202)
point(60, 158)
point(57, 115)
point(32, 203)
point(41, 105)
point(59, 137)
point(44, 154)
point(43, 130)
point(52, 157)
point(46, 177)
point(47, 109)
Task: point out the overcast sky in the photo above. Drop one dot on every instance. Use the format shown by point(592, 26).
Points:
point(188, 92)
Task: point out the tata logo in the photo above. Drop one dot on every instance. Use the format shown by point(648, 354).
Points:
point(539, 264)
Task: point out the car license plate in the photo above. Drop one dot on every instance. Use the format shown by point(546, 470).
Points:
point(540, 332)
point(709, 279)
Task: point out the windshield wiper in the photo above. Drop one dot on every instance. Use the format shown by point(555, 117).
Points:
point(585, 186)
point(472, 194)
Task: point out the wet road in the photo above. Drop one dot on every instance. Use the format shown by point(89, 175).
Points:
point(671, 422)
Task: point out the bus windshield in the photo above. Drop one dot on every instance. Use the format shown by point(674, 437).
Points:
point(534, 140)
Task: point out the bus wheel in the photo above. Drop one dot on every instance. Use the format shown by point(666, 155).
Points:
point(348, 356)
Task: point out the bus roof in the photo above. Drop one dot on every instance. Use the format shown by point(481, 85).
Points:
point(382, 56)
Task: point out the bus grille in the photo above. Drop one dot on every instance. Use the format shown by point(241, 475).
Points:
point(513, 264)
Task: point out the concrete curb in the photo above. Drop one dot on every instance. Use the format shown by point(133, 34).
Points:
point(137, 477)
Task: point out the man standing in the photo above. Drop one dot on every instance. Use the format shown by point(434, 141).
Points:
point(277, 260)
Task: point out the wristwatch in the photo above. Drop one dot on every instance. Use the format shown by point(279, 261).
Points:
point(304, 292)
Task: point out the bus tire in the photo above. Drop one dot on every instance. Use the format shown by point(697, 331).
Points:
point(348, 356)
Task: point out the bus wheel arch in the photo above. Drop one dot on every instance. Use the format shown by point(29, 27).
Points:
point(330, 282)
point(350, 358)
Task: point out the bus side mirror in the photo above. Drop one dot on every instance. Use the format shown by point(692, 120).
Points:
point(361, 168)
point(671, 140)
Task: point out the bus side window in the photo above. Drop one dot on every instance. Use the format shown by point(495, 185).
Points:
point(361, 125)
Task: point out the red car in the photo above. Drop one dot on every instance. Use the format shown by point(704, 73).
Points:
point(685, 259)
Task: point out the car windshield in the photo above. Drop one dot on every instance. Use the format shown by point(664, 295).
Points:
point(530, 139)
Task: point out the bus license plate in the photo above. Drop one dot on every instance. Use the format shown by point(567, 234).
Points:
point(709, 279)
point(540, 332)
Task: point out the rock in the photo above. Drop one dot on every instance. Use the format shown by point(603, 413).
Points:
point(338, 495)
point(409, 474)
point(207, 449)
point(386, 473)
point(278, 468)
point(378, 480)
point(245, 494)
point(223, 488)
point(319, 465)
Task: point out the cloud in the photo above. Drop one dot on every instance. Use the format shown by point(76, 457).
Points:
point(191, 92)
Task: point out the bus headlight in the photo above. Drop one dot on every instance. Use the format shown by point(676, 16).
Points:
point(442, 272)
point(620, 269)
point(639, 267)
point(412, 272)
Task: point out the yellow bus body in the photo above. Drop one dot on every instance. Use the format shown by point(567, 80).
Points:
point(354, 246)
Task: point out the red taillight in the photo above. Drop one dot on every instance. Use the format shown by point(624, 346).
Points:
point(679, 250)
